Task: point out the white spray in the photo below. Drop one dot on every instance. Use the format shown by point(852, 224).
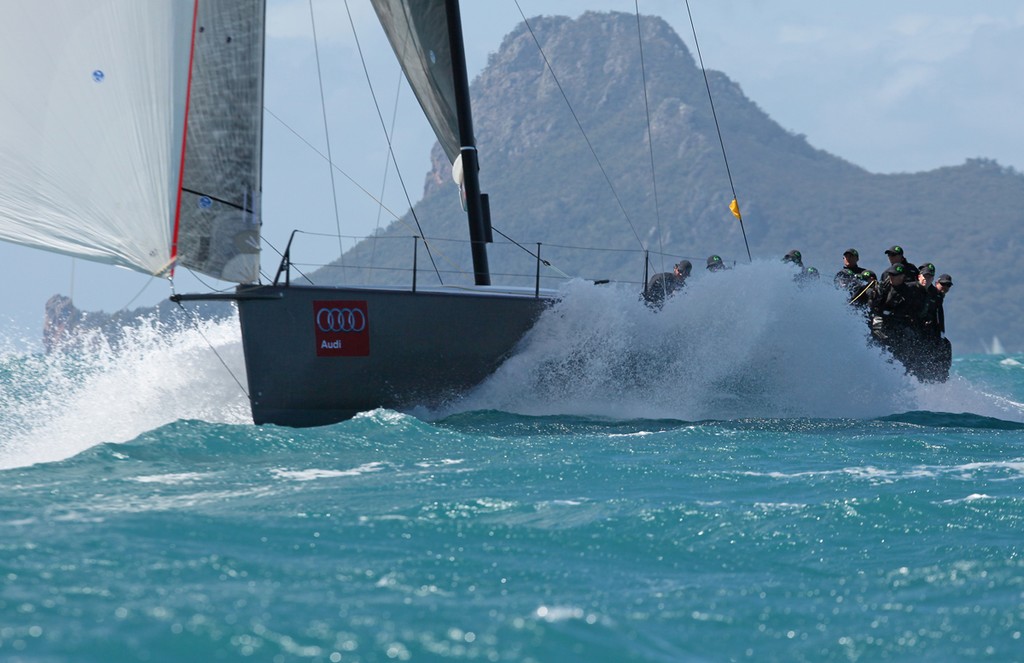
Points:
point(747, 342)
point(55, 406)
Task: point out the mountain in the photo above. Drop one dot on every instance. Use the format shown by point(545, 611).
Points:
point(67, 327)
point(545, 183)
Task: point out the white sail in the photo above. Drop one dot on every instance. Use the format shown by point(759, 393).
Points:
point(92, 132)
point(219, 216)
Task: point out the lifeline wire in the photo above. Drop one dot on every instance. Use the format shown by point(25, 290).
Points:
point(359, 186)
point(717, 127)
point(544, 262)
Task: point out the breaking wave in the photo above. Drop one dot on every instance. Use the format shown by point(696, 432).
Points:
point(745, 343)
point(57, 405)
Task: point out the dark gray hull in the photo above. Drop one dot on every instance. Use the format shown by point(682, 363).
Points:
point(318, 355)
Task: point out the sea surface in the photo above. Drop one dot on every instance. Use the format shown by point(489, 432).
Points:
point(704, 483)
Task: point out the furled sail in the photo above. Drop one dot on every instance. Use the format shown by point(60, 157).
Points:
point(93, 128)
point(418, 32)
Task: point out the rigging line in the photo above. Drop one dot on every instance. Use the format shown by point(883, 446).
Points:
point(359, 186)
point(139, 293)
point(650, 136)
point(336, 167)
point(355, 183)
point(387, 137)
point(387, 168)
point(580, 125)
point(718, 128)
point(327, 135)
point(281, 255)
point(866, 288)
point(206, 285)
point(198, 327)
point(546, 263)
point(456, 268)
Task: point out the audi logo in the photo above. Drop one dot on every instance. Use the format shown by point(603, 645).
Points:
point(341, 320)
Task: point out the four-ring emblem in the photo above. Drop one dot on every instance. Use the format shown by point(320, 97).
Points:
point(341, 328)
point(340, 320)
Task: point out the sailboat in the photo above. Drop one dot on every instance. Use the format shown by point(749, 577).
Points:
point(995, 347)
point(131, 134)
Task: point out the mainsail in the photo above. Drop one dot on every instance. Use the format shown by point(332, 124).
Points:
point(418, 32)
point(98, 97)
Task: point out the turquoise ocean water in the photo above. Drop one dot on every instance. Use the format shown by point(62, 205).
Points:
point(718, 481)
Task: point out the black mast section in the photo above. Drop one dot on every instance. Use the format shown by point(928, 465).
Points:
point(470, 164)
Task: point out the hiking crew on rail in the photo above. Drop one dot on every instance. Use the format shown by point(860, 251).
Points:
point(904, 307)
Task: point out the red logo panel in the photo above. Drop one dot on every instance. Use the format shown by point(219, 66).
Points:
point(342, 328)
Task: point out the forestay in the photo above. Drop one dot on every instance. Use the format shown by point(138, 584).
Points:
point(93, 132)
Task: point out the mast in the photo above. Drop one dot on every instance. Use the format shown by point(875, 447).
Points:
point(478, 231)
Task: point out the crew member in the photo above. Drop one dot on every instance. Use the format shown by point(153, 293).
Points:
point(846, 278)
point(867, 288)
point(850, 258)
point(932, 300)
point(715, 263)
point(895, 314)
point(662, 285)
point(942, 285)
point(896, 257)
point(939, 351)
point(808, 275)
point(794, 257)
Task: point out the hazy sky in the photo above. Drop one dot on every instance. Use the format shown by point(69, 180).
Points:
point(891, 86)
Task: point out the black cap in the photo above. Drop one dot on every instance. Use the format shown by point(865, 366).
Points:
point(714, 260)
point(793, 256)
point(895, 249)
point(928, 269)
point(945, 279)
point(851, 252)
point(868, 275)
point(895, 270)
point(813, 271)
point(684, 267)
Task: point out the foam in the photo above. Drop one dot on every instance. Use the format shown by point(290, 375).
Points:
point(315, 474)
point(743, 343)
point(58, 405)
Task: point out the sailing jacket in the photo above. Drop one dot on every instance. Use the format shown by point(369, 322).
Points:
point(903, 304)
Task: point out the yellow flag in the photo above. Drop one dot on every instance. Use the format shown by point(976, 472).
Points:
point(734, 207)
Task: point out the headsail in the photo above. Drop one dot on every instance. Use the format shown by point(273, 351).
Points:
point(418, 32)
point(92, 130)
point(218, 228)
